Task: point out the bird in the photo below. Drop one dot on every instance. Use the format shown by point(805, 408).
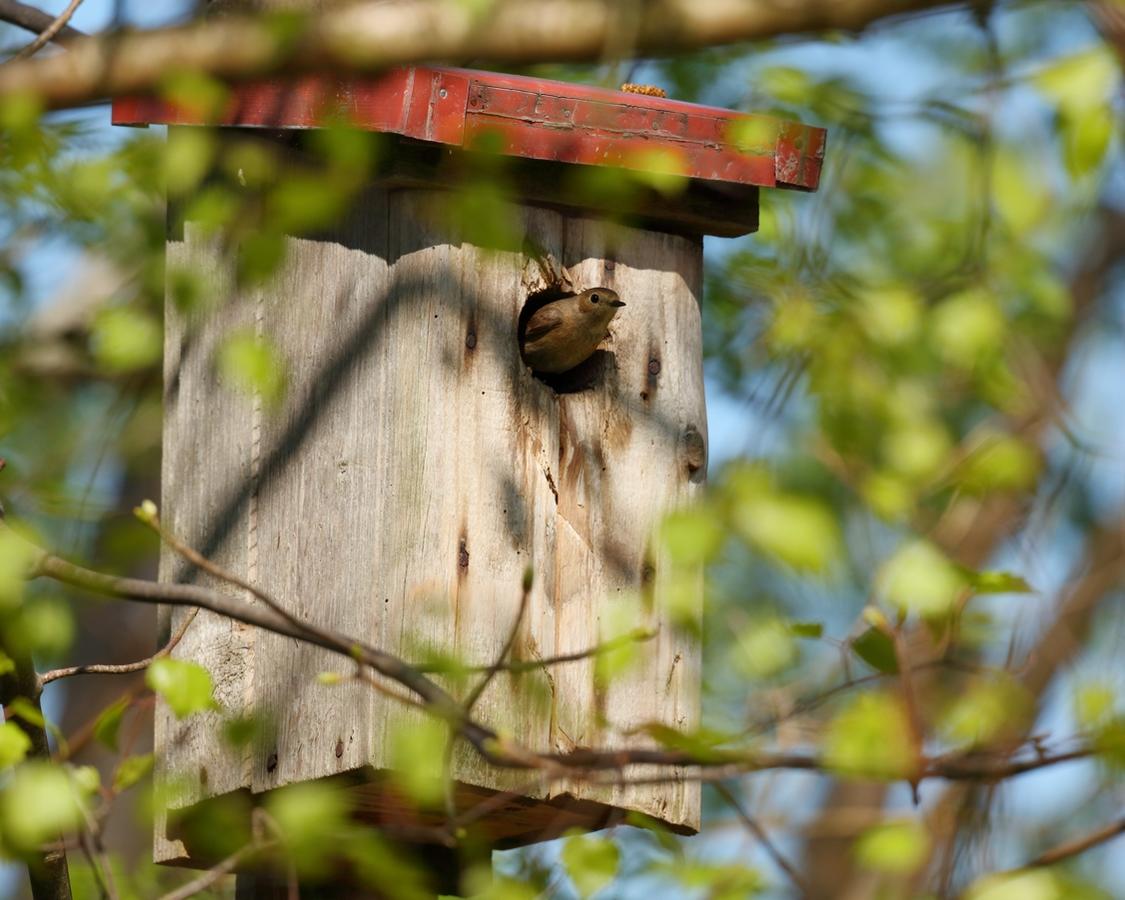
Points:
point(564, 333)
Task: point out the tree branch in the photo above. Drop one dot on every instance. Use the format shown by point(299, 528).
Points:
point(1079, 845)
point(48, 34)
point(121, 668)
point(370, 36)
point(32, 19)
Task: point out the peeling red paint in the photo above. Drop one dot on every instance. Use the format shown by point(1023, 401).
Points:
point(524, 117)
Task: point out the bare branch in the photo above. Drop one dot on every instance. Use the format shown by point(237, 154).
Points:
point(1079, 845)
point(121, 668)
point(370, 36)
point(50, 32)
point(760, 835)
point(505, 651)
point(32, 19)
point(212, 875)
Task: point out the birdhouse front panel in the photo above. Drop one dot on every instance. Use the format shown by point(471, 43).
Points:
point(416, 471)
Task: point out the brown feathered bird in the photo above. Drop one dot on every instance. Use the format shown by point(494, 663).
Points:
point(564, 333)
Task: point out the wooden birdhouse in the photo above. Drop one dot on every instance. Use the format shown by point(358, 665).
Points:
point(417, 467)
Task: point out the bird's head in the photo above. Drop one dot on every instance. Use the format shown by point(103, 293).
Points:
point(599, 303)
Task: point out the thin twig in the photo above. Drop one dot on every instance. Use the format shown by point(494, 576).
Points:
point(50, 32)
point(31, 18)
point(1078, 845)
point(759, 833)
point(212, 875)
point(638, 635)
point(121, 668)
point(505, 651)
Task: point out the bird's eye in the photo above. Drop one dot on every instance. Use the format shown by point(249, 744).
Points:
point(594, 298)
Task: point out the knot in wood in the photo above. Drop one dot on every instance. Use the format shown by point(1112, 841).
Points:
point(654, 366)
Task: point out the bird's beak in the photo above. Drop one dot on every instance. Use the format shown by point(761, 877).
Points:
point(616, 303)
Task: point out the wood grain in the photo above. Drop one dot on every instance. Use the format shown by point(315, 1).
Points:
point(413, 473)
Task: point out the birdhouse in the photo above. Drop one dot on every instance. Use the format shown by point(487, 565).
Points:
point(417, 466)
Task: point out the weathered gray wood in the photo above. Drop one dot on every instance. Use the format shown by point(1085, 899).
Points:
point(416, 469)
point(206, 464)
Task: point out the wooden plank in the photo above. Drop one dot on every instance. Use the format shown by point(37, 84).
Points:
point(415, 470)
point(323, 461)
point(204, 471)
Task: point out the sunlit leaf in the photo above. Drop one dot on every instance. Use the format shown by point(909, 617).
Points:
point(1095, 703)
point(764, 648)
point(131, 770)
point(894, 847)
point(40, 803)
point(108, 724)
point(1035, 884)
point(968, 328)
point(1081, 80)
point(417, 748)
point(185, 686)
point(999, 462)
point(987, 710)
point(126, 339)
point(799, 531)
point(692, 536)
point(591, 862)
point(253, 365)
point(919, 578)
point(871, 737)
point(14, 745)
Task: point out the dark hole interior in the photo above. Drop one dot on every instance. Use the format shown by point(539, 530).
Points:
point(583, 376)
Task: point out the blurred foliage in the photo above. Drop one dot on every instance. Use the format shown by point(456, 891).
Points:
point(904, 475)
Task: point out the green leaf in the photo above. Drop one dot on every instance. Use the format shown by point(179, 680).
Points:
point(591, 863)
point(126, 339)
point(1086, 137)
point(24, 709)
point(996, 582)
point(871, 737)
point(187, 158)
point(14, 745)
point(417, 751)
point(876, 648)
point(44, 627)
point(108, 724)
point(765, 648)
point(253, 365)
point(808, 630)
point(968, 328)
point(897, 848)
point(795, 530)
point(131, 770)
point(7, 664)
point(999, 462)
point(1081, 80)
point(692, 537)
point(312, 817)
point(16, 558)
point(985, 711)
point(1037, 884)
point(184, 686)
point(39, 803)
point(919, 578)
point(1094, 704)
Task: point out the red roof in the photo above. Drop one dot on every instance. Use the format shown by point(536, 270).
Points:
point(524, 117)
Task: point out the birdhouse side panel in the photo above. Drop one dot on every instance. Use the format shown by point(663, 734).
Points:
point(205, 479)
point(321, 494)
